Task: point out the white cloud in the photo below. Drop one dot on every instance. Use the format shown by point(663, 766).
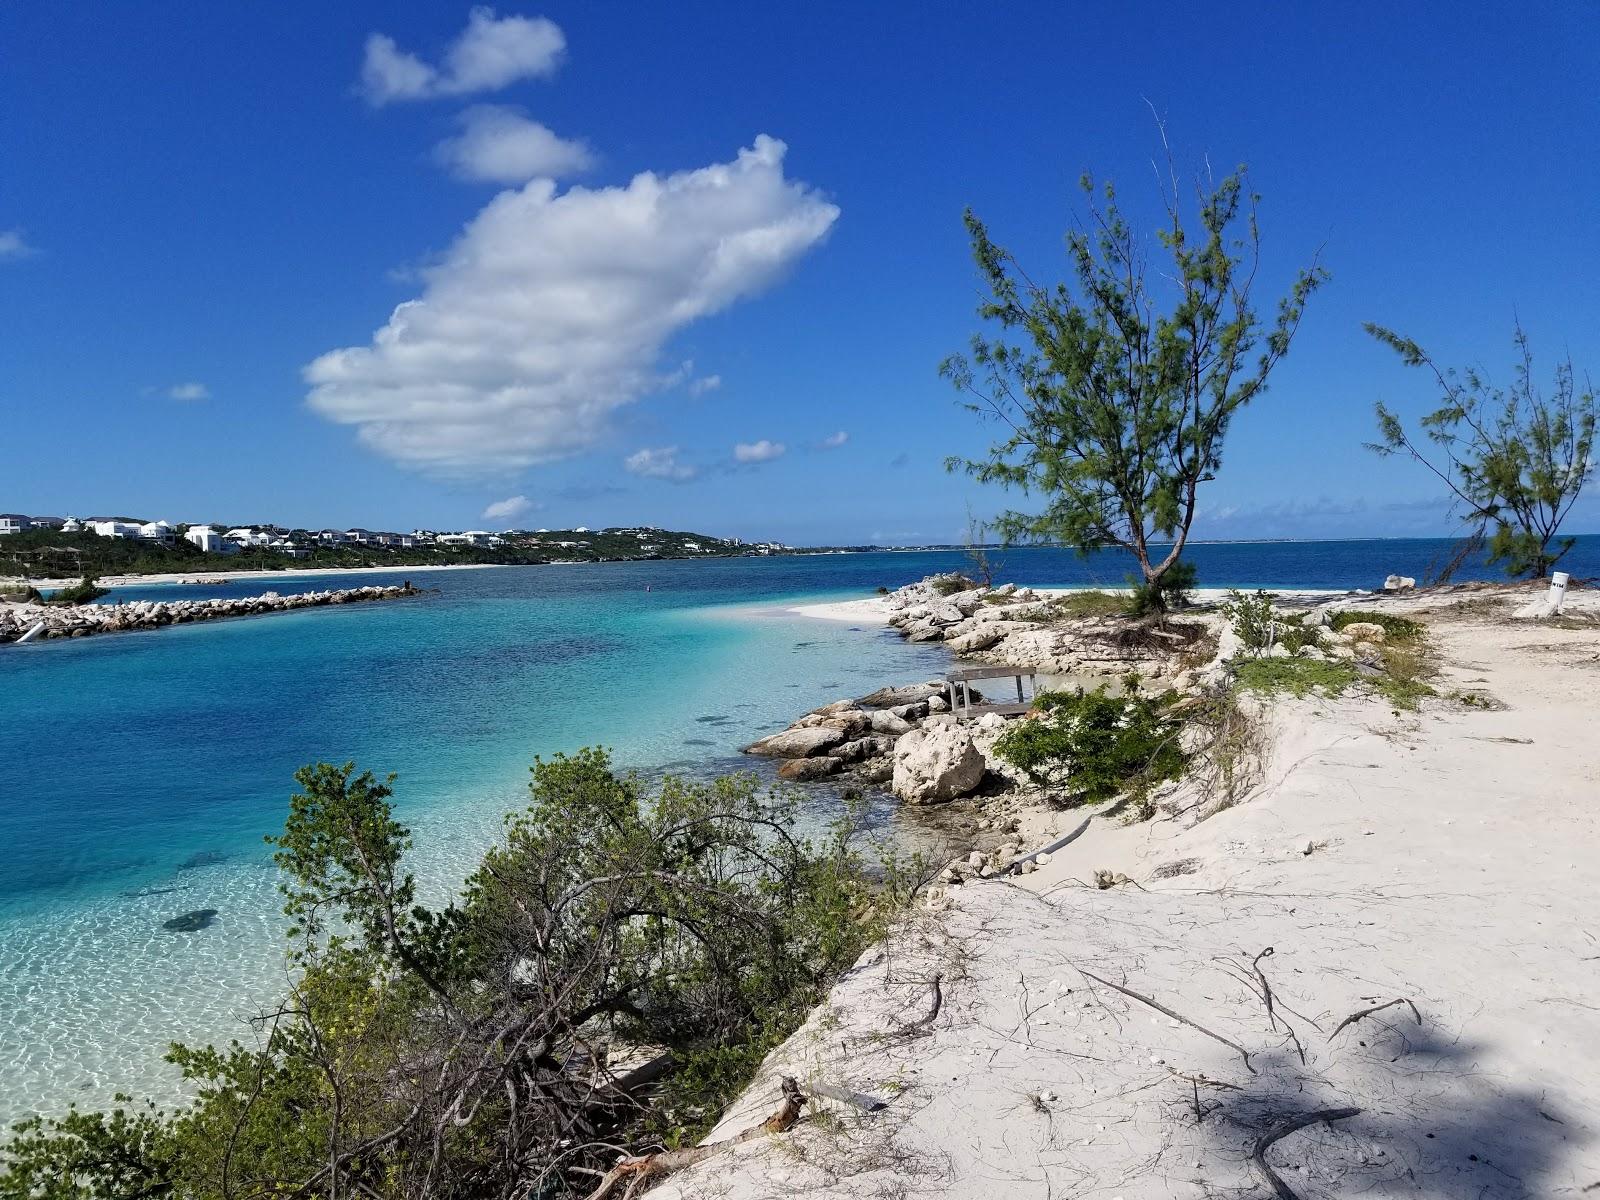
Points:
point(660, 463)
point(189, 391)
point(833, 441)
point(704, 384)
point(508, 509)
point(758, 452)
point(550, 311)
point(491, 53)
point(499, 144)
point(14, 245)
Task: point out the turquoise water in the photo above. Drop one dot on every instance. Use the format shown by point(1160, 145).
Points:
point(141, 771)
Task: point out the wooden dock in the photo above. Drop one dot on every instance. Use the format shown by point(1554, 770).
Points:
point(958, 691)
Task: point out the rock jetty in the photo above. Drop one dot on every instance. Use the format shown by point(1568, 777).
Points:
point(85, 620)
point(1020, 627)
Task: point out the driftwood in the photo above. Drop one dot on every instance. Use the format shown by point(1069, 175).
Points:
point(934, 1005)
point(832, 1091)
point(1376, 1008)
point(1176, 1016)
point(638, 1173)
point(1283, 1129)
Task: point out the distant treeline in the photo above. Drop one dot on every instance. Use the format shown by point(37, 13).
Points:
point(43, 553)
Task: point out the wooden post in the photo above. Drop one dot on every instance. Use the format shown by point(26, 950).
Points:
point(1019, 687)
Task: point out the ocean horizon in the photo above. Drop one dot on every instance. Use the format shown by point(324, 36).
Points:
point(145, 769)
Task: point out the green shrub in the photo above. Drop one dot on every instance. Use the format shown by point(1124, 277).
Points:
point(1091, 603)
point(82, 592)
point(448, 1052)
point(1294, 635)
point(949, 585)
point(1297, 676)
point(1092, 747)
point(1396, 629)
point(1171, 590)
point(1251, 618)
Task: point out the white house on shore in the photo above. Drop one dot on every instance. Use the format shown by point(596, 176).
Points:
point(158, 531)
point(117, 529)
point(209, 540)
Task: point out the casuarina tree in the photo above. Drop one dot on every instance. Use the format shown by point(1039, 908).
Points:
point(1115, 389)
point(1515, 459)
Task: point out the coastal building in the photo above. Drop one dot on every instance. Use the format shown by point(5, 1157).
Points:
point(158, 531)
point(249, 536)
point(114, 528)
point(12, 523)
point(209, 540)
point(72, 525)
point(332, 537)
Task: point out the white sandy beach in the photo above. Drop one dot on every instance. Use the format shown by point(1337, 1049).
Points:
point(1437, 870)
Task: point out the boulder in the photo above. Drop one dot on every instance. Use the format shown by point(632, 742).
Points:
point(877, 770)
point(979, 639)
point(852, 724)
point(805, 770)
point(935, 763)
point(864, 748)
point(797, 743)
point(1399, 583)
point(946, 614)
point(892, 697)
point(886, 721)
point(1364, 631)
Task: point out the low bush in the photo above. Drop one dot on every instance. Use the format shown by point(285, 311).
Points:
point(1407, 666)
point(1091, 603)
point(85, 591)
point(1297, 676)
point(1090, 747)
point(1171, 590)
point(457, 1052)
point(1396, 629)
point(949, 585)
point(1251, 618)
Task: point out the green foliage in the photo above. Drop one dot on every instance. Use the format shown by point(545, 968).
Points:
point(1251, 618)
point(1396, 629)
point(1091, 747)
point(89, 1155)
point(49, 553)
point(1406, 669)
point(85, 591)
point(1167, 591)
point(1297, 676)
point(1115, 399)
point(443, 1053)
point(949, 585)
point(1091, 603)
point(1515, 459)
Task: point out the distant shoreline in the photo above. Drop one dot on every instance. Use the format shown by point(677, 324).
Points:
point(192, 577)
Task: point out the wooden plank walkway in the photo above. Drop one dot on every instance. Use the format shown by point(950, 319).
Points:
point(959, 692)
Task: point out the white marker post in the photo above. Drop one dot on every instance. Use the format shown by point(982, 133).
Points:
point(1558, 593)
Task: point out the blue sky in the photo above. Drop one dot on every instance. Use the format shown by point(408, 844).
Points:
point(201, 204)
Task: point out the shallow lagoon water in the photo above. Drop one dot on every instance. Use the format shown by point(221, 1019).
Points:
point(141, 771)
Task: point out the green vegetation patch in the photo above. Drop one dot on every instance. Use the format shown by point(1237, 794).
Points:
point(1083, 604)
point(1396, 629)
point(447, 1052)
point(1297, 676)
point(1090, 747)
point(949, 585)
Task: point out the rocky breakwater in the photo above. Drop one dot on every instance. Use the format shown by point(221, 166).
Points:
point(85, 620)
point(1052, 634)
